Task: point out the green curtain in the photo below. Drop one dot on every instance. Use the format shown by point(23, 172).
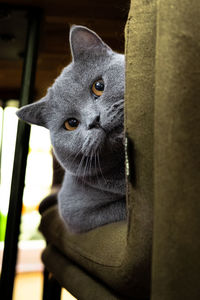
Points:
point(176, 243)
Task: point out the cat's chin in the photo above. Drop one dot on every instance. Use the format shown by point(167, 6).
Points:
point(96, 166)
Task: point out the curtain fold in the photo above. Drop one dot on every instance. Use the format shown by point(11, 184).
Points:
point(176, 242)
point(139, 111)
point(139, 122)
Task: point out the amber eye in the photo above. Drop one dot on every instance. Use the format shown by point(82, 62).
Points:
point(98, 87)
point(71, 124)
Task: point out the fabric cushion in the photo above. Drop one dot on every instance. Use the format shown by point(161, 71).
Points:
point(78, 282)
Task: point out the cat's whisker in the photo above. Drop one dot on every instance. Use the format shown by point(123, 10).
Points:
point(86, 166)
point(100, 168)
point(95, 165)
point(100, 184)
point(79, 172)
point(96, 169)
point(90, 162)
point(80, 166)
point(75, 157)
point(91, 158)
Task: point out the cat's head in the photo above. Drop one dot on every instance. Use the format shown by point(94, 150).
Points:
point(84, 107)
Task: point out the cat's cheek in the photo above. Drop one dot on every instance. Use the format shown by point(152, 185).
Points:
point(58, 151)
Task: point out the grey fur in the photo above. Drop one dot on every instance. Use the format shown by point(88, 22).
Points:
point(93, 190)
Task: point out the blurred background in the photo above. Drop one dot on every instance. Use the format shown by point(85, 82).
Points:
point(108, 19)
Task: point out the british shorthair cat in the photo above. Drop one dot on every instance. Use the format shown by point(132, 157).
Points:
point(84, 112)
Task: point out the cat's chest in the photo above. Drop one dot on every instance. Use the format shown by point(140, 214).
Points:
point(75, 191)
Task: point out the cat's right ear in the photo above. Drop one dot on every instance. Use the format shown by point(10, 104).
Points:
point(34, 113)
point(84, 42)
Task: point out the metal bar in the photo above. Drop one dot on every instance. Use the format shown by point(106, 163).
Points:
point(51, 288)
point(54, 289)
point(21, 152)
point(45, 284)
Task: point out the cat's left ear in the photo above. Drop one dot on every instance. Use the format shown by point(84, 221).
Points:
point(85, 41)
point(34, 113)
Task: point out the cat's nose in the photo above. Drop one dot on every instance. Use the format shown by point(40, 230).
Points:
point(95, 123)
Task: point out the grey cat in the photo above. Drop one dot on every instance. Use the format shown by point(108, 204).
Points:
point(84, 112)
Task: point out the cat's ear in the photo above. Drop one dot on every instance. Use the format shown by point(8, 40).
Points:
point(34, 113)
point(84, 41)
